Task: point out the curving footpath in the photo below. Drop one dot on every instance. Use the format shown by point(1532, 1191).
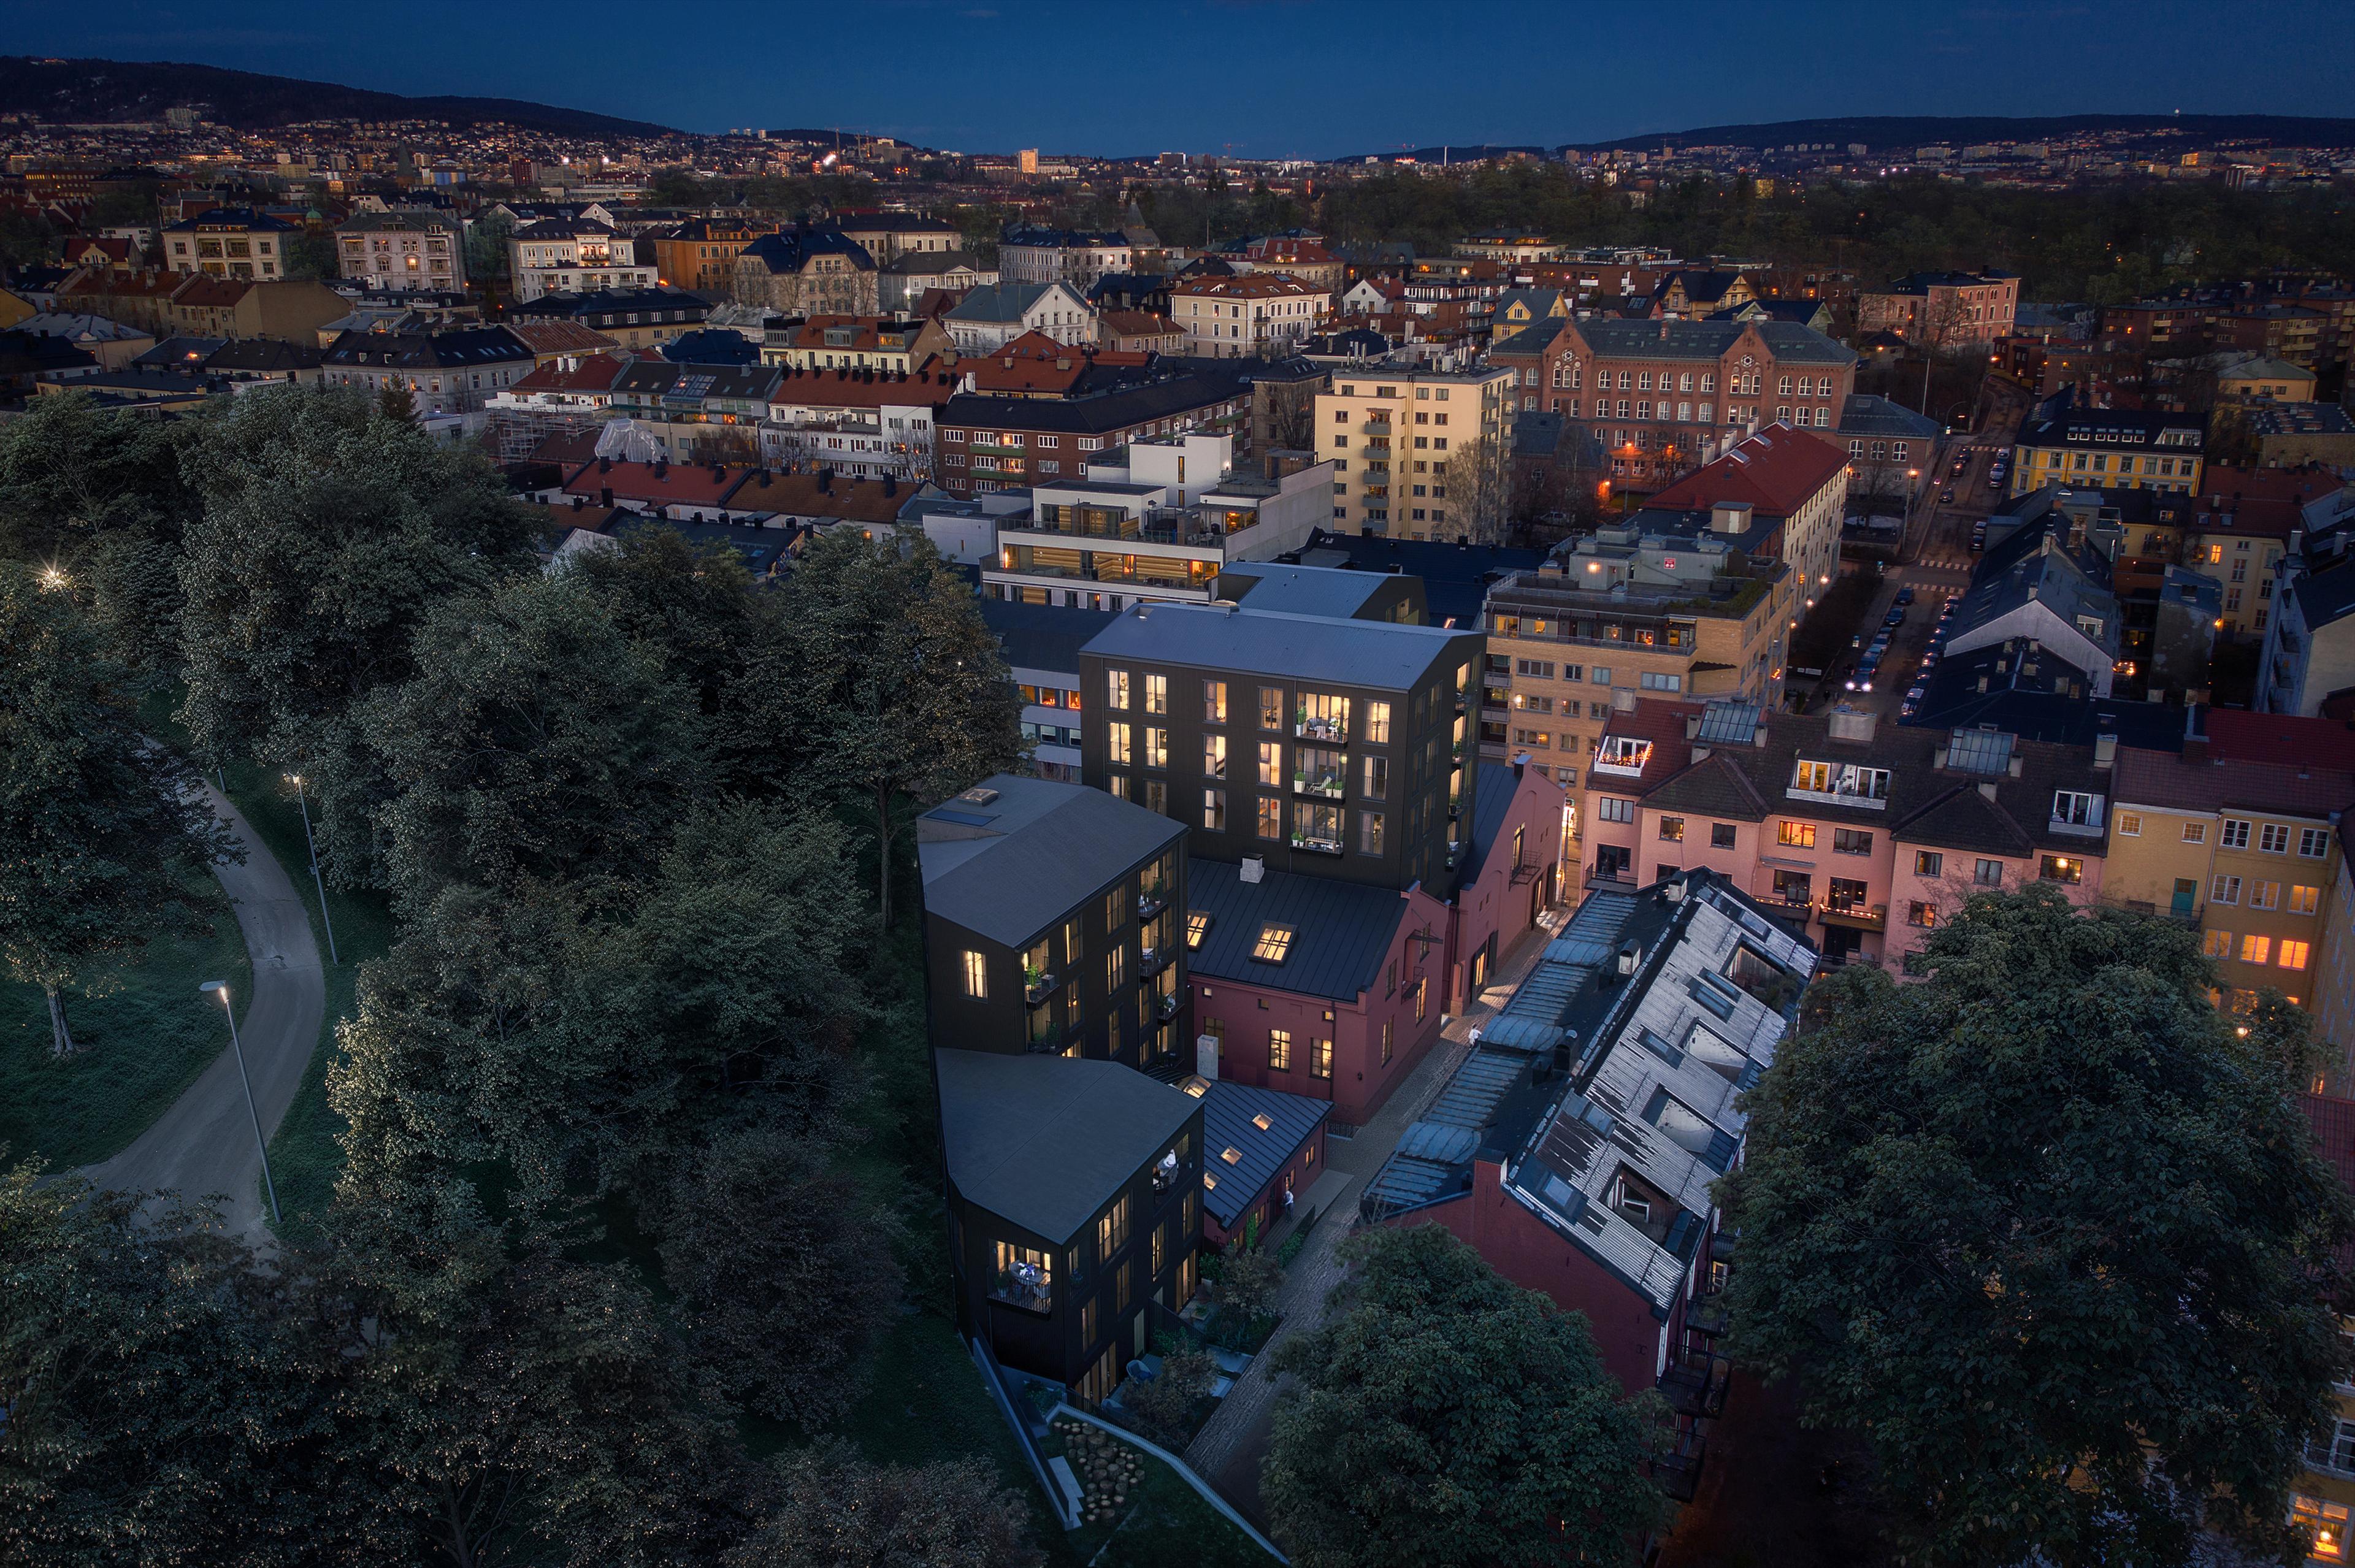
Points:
point(202, 1147)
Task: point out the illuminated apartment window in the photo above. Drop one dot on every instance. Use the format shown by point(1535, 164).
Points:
point(1274, 942)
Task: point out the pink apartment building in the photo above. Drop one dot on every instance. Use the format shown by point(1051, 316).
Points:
point(1876, 832)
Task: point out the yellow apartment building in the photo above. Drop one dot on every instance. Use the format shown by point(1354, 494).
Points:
point(2239, 839)
point(1391, 435)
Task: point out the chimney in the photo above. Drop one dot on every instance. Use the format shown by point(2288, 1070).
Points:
point(1254, 868)
point(1692, 726)
point(1205, 1055)
point(1730, 518)
point(2106, 750)
point(1986, 788)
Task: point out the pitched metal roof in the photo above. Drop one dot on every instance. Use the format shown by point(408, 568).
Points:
point(1011, 867)
point(1232, 1113)
point(1340, 930)
point(1383, 654)
point(1046, 1141)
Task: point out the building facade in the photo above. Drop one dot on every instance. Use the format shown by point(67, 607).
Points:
point(1260, 314)
point(554, 257)
point(2116, 449)
point(1400, 440)
point(401, 251)
point(228, 243)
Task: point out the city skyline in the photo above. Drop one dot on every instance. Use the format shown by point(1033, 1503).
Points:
point(1491, 76)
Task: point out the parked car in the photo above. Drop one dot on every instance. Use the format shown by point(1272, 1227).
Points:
point(1905, 596)
point(1946, 496)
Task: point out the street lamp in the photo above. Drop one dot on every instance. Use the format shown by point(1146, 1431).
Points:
point(309, 842)
point(221, 989)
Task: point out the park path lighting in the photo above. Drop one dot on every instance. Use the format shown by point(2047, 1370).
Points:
point(312, 845)
point(221, 989)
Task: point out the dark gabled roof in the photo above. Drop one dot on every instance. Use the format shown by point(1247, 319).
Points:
point(1230, 1121)
point(1962, 819)
point(1089, 415)
point(1614, 337)
point(1046, 1141)
point(1300, 590)
point(263, 354)
point(1341, 931)
point(1383, 654)
point(231, 218)
point(1531, 340)
point(711, 346)
point(793, 249)
point(1714, 786)
point(455, 349)
point(1009, 867)
point(1491, 807)
point(1043, 636)
point(1867, 415)
point(2324, 597)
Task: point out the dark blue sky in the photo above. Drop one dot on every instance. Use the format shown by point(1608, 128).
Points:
point(1267, 78)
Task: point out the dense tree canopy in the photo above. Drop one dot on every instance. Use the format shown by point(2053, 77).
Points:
point(2050, 1235)
point(1444, 1415)
point(328, 533)
point(104, 837)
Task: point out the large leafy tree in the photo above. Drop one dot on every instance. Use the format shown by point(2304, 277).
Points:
point(2050, 1235)
point(835, 1512)
point(157, 1409)
point(104, 835)
point(1444, 1414)
point(97, 494)
point(580, 1047)
point(328, 535)
point(535, 741)
point(889, 678)
point(782, 1269)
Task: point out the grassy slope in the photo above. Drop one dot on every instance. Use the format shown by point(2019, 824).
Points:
point(144, 1037)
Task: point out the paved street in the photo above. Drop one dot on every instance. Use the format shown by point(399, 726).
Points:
point(203, 1146)
point(1229, 1448)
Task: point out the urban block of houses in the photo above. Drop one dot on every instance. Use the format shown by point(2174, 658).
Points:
point(581, 256)
point(1260, 314)
point(1575, 1147)
point(1943, 311)
point(807, 272)
point(993, 314)
point(228, 243)
point(402, 249)
point(2122, 449)
point(445, 372)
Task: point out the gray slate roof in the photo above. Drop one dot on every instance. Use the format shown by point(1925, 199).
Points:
point(1341, 931)
point(1790, 343)
point(997, 301)
point(1043, 636)
point(1376, 654)
point(1043, 1141)
point(1010, 868)
point(1867, 415)
point(1328, 591)
point(1228, 1108)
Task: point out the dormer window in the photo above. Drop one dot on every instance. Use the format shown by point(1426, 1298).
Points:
point(2076, 811)
point(1847, 781)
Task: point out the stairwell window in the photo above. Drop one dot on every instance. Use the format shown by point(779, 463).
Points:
point(1116, 689)
point(976, 975)
point(1279, 1051)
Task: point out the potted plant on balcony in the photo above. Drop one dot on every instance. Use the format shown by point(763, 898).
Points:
point(1035, 983)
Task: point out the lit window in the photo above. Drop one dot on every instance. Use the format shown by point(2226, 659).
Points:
point(1232, 1156)
point(1279, 1049)
point(2257, 949)
point(2293, 954)
point(1275, 942)
point(2216, 944)
point(1198, 925)
point(2302, 899)
point(1796, 835)
point(1262, 1122)
point(976, 976)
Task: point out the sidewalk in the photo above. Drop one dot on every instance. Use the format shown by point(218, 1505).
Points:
point(1231, 1446)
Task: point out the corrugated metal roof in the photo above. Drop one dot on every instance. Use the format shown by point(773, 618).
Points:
point(1230, 1116)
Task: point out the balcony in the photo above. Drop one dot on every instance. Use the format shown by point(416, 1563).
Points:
point(1025, 1286)
point(1044, 1032)
point(1335, 731)
point(1316, 845)
point(1834, 797)
point(1678, 1471)
point(1706, 1316)
point(1694, 1385)
point(1600, 875)
point(1167, 1008)
point(1038, 986)
point(1375, 427)
point(1150, 902)
point(1859, 916)
point(1330, 786)
point(1151, 961)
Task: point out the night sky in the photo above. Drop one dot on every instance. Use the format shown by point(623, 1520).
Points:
point(1311, 78)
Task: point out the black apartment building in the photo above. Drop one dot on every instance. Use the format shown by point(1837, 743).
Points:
point(1337, 749)
point(1051, 919)
point(1075, 1193)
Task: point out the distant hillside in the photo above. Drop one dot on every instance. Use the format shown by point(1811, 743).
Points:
point(1891, 133)
point(1904, 133)
point(100, 91)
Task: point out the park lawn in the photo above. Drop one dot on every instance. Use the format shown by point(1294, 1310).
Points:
point(143, 1039)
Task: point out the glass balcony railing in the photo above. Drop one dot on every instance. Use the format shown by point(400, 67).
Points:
point(1330, 786)
point(1317, 845)
point(1025, 1287)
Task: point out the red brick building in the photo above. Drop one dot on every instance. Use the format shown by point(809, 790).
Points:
point(1664, 397)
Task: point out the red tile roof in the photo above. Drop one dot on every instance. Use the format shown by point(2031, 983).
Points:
point(544, 338)
point(678, 484)
point(1250, 285)
point(2163, 779)
point(2280, 737)
point(848, 389)
point(596, 373)
point(1774, 471)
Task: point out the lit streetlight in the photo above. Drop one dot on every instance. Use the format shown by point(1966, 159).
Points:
point(221, 989)
point(312, 845)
